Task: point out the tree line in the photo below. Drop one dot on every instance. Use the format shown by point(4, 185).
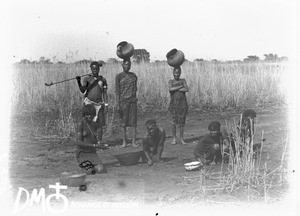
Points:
point(143, 56)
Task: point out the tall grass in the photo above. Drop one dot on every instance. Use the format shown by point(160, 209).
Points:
point(219, 85)
point(245, 172)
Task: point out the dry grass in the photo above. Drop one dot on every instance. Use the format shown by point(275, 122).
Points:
point(219, 85)
point(245, 174)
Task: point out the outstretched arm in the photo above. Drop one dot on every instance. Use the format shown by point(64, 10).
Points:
point(117, 90)
point(80, 139)
point(83, 87)
point(105, 97)
point(146, 150)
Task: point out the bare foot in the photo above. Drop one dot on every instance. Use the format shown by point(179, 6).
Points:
point(174, 142)
point(123, 145)
point(183, 143)
point(134, 145)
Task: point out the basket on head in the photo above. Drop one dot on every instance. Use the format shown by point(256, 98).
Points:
point(129, 159)
point(74, 180)
point(195, 165)
point(125, 50)
point(175, 58)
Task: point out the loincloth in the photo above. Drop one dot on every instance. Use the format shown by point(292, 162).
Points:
point(99, 110)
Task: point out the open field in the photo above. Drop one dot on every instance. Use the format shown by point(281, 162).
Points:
point(45, 119)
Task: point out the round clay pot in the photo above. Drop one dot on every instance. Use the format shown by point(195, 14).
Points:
point(175, 58)
point(125, 50)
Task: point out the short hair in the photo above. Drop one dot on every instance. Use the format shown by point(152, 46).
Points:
point(96, 64)
point(150, 121)
point(88, 109)
point(214, 126)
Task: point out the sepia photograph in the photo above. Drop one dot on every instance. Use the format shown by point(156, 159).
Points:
point(151, 107)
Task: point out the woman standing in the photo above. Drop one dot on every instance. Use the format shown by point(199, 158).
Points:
point(178, 104)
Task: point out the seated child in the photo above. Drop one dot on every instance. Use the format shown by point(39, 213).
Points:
point(153, 144)
point(208, 149)
point(86, 154)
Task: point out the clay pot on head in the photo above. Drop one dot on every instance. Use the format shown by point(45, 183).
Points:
point(125, 50)
point(175, 58)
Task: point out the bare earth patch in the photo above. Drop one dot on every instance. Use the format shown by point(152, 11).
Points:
point(37, 159)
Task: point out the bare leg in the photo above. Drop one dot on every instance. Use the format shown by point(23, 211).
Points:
point(99, 134)
point(124, 138)
point(134, 138)
point(174, 134)
point(181, 130)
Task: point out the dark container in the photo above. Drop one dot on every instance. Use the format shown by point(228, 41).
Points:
point(175, 58)
point(129, 159)
point(125, 50)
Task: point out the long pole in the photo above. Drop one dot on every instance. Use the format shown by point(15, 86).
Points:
point(50, 84)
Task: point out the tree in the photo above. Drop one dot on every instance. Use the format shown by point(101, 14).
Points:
point(43, 60)
point(283, 58)
point(215, 61)
point(112, 61)
point(198, 60)
point(271, 57)
point(24, 61)
point(83, 62)
point(251, 58)
point(101, 62)
point(141, 55)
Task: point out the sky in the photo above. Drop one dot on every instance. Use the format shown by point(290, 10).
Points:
point(208, 29)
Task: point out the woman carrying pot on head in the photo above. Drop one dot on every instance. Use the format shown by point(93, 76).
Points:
point(177, 88)
point(125, 90)
point(178, 104)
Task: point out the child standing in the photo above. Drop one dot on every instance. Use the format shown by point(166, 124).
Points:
point(95, 89)
point(178, 104)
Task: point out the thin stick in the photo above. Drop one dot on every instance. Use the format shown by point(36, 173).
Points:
point(50, 84)
point(261, 147)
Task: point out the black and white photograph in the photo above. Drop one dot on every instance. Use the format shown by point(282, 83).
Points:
point(150, 107)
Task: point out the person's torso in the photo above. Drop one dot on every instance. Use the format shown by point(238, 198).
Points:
point(178, 102)
point(175, 83)
point(207, 141)
point(128, 85)
point(155, 140)
point(95, 94)
point(90, 136)
point(177, 94)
